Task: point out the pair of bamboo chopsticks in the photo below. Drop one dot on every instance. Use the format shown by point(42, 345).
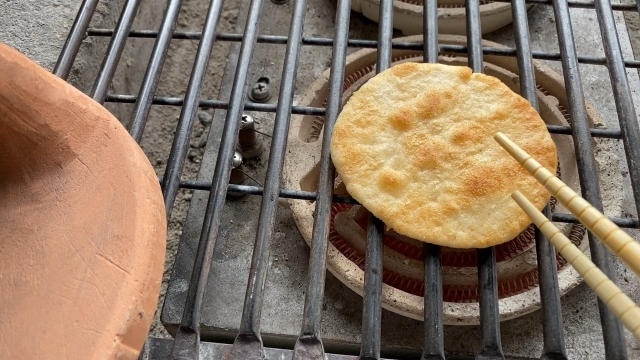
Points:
point(619, 242)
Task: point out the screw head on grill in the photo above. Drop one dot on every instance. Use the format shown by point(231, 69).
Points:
point(237, 160)
point(237, 176)
point(246, 122)
point(249, 145)
point(260, 91)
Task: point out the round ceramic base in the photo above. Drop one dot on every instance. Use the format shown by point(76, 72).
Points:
point(408, 15)
point(403, 271)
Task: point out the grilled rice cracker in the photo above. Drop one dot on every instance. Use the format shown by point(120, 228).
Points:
point(414, 145)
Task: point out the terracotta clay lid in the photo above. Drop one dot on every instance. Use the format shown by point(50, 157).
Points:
point(82, 223)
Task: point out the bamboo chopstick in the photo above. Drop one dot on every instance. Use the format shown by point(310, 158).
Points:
point(617, 301)
point(619, 242)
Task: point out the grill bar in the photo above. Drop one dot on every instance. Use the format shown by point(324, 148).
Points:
point(372, 310)
point(487, 276)
point(309, 343)
point(248, 344)
point(433, 328)
point(611, 329)
point(250, 106)
point(430, 31)
point(552, 331)
point(474, 35)
point(523, 53)
point(622, 95)
point(604, 133)
point(362, 43)
point(309, 110)
point(116, 46)
point(489, 312)
point(346, 199)
point(577, 4)
point(188, 335)
point(372, 296)
point(74, 40)
point(180, 145)
point(154, 68)
point(385, 35)
point(569, 218)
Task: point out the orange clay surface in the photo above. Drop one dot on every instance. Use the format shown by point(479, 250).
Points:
point(82, 223)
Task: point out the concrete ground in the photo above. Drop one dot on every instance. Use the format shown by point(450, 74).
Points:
point(41, 38)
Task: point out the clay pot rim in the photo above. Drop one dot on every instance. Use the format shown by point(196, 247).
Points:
point(121, 331)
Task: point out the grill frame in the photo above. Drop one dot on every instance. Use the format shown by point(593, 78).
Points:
point(309, 345)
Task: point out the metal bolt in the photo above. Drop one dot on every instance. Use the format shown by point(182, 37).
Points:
point(237, 160)
point(247, 122)
point(260, 91)
point(249, 145)
point(237, 176)
point(279, 2)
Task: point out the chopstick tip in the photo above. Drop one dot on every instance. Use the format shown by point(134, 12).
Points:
point(517, 196)
point(502, 140)
point(516, 152)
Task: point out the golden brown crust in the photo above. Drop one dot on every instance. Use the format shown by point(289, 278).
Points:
point(414, 145)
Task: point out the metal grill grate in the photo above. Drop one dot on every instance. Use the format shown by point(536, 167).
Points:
point(248, 343)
